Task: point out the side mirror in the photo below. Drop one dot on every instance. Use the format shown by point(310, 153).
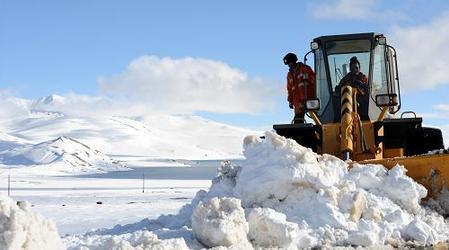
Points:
point(382, 40)
point(387, 100)
point(313, 104)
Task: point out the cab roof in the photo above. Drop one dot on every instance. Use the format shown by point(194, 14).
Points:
point(355, 36)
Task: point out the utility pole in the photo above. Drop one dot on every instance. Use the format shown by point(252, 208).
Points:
point(143, 182)
point(9, 185)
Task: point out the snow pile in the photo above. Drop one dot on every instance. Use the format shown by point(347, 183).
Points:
point(64, 153)
point(293, 198)
point(220, 222)
point(137, 240)
point(270, 228)
point(303, 199)
point(441, 204)
point(20, 228)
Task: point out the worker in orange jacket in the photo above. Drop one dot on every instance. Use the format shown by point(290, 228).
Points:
point(300, 86)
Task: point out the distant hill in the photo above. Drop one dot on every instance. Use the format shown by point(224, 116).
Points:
point(156, 135)
point(63, 154)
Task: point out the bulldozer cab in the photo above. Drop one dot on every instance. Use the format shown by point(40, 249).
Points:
point(377, 61)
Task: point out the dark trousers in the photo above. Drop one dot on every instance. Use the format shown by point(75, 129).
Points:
point(299, 118)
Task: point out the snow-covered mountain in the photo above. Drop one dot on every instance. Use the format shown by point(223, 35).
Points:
point(155, 135)
point(69, 154)
point(48, 100)
point(8, 141)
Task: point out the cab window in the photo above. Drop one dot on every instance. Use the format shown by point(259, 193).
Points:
point(340, 52)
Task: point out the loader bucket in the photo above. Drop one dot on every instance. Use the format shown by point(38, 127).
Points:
point(431, 170)
point(304, 134)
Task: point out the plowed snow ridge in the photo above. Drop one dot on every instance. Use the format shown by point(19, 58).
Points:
point(285, 195)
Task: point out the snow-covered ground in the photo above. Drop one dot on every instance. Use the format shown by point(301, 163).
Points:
point(146, 190)
point(71, 201)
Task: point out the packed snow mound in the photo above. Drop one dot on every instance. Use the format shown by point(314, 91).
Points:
point(325, 203)
point(441, 204)
point(21, 228)
point(220, 222)
point(268, 228)
point(137, 240)
point(63, 151)
point(294, 198)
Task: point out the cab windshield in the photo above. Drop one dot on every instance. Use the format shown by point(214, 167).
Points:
point(340, 52)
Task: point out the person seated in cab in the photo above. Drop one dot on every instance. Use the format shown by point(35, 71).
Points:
point(355, 77)
point(358, 80)
point(300, 86)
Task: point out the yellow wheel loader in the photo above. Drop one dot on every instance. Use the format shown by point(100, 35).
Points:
point(364, 125)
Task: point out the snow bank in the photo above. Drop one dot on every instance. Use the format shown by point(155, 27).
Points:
point(323, 201)
point(286, 196)
point(137, 240)
point(268, 228)
point(220, 222)
point(441, 204)
point(20, 228)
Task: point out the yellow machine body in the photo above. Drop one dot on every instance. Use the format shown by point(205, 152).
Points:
point(332, 142)
point(358, 138)
point(430, 170)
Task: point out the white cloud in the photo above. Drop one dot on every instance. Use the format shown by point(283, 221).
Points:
point(11, 106)
point(439, 112)
point(188, 85)
point(423, 57)
point(85, 105)
point(443, 108)
point(354, 10)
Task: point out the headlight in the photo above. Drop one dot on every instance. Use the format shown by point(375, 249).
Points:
point(314, 45)
point(386, 100)
point(313, 104)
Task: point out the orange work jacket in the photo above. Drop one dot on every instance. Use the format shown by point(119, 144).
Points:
point(302, 75)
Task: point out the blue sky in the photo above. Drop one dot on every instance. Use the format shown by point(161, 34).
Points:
point(49, 47)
